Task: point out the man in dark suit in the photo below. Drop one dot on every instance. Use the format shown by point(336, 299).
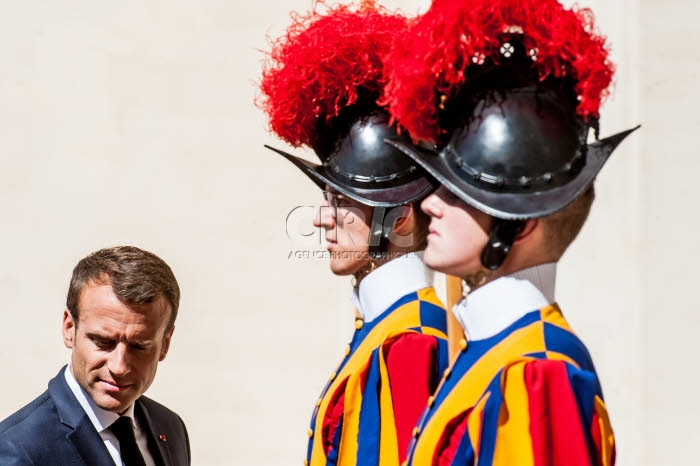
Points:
point(120, 317)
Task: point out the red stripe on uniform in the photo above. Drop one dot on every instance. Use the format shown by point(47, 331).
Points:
point(410, 361)
point(555, 424)
point(334, 415)
point(595, 435)
point(452, 436)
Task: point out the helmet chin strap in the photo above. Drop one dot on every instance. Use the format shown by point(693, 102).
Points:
point(501, 239)
point(378, 243)
point(380, 231)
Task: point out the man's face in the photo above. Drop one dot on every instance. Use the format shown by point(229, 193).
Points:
point(347, 233)
point(456, 236)
point(116, 348)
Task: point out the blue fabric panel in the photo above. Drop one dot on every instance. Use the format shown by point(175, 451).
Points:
point(465, 451)
point(489, 426)
point(562, 341)
point(332, 458)
point(433, 316)
point(585, 387)
point(404, 300)
point(370, 419)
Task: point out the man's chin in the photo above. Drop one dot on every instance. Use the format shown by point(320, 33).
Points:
point(113, 406)
point(342, 269)
point(112, 403)
point(437, 263)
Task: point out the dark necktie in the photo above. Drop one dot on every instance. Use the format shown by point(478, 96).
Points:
point(128, 449)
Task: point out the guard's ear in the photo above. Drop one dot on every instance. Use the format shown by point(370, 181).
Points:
point(528, 230)
point(69, 328)
point(400, 220)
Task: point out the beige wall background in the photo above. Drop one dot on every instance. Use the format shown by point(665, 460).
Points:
point(132, 122)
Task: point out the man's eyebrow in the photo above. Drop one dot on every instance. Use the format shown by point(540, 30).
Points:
point(145, 342)
point(97, 336)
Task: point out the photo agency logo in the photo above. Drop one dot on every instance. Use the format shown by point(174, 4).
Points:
point(352, 231)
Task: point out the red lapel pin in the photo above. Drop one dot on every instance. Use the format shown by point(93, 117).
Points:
point(162, 437)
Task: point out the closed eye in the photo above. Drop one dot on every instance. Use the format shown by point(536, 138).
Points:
point(138, 346)
point(102, 343)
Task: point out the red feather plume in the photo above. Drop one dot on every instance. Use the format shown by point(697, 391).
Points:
point(324, 63)
point(428, 65)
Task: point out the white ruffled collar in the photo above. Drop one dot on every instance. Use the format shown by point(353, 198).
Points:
point(390, 282)
point(491, 308)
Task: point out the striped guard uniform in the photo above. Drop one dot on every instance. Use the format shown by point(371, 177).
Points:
point(522, 392)
point(367, 411)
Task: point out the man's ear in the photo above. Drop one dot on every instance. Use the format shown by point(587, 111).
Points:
point(68, 329)
point(166, 344)
point(528, 231)
point(405, 223)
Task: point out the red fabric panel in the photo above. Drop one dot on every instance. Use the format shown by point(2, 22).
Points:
point(595, 434)
point(410, 360)
point(452, 436)
point(333, 417)
point(555, 424)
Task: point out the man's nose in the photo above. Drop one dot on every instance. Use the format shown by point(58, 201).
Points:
point(431, 205)
point(118, 360)
point(325, 217)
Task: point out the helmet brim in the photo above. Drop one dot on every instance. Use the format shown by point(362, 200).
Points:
point(384, 197)
point(514, 205)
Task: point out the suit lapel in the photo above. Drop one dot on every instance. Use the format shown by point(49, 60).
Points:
point(89, 444)
point(157, 441)
point(83, 435)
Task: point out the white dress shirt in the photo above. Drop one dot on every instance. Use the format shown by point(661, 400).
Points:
point(491, 308)
point(390, 282)
point(102, 419)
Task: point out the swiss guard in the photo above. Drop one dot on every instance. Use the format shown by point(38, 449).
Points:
point(502, 96)
point(319, 89)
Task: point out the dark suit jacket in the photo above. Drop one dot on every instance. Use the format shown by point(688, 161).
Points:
point(55, 430)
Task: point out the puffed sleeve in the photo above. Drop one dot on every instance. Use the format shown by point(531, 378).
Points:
point(401, 375)
point(544, 413)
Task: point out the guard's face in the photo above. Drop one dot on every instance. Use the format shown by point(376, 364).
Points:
point(347, 226)
point(116, 348)
point(456, 236)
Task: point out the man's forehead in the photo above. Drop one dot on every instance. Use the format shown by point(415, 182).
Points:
point(99, 300)
point(105, 326)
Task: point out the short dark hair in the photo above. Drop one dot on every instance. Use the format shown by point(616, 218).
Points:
point(562, 227)
point(136, 277)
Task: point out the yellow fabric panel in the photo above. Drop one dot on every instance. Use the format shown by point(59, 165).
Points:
point(555, 355)
point(434, 332)
point(429, 295)
point(351, 423)
point(553, 315)
point(470, 388)
point(388, 446)
point(514, 420)
point(474, 424)
point(607, 440)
